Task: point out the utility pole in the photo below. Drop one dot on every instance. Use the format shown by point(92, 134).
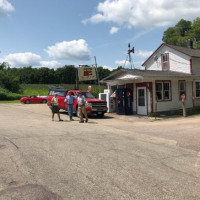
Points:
point(97, 73)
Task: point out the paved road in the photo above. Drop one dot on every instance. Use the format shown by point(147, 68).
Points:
point(118, 157)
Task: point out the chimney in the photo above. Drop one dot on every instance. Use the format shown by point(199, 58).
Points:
point(189, 44)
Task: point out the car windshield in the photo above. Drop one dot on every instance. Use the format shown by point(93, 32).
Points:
point(88, 95)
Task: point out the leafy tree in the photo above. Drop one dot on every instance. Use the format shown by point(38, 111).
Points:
point(182, 32)
point(195, 32)
point(118, 68)
point(45, 75)
point(103, 72)
point(28, 75)
point(66, 74)
point(4, 65)
point(8, 80)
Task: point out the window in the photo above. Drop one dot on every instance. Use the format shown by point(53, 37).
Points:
point(88, 95)
point(182, 88)
point(197, 87)
point(141, 97)
point(165, 62)
point(163, 90)
point(159, 91)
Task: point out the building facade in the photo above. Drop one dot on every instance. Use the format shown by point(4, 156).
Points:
point(170, 72)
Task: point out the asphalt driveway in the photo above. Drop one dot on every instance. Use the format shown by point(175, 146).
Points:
point(117, 157)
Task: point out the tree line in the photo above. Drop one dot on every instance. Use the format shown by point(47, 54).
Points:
point(11, 78)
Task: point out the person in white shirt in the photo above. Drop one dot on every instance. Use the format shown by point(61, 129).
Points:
point(81, 108)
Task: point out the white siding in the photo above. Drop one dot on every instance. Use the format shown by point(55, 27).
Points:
point(175, 104)
point(177, 61)
point(196, 66)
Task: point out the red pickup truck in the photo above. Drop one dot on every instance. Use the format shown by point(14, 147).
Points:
point(93, 105)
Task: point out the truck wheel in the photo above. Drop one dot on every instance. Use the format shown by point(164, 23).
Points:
point(44, 101)
point(100, 115)
point(27, 102)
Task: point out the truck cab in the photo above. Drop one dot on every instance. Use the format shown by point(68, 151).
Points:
point(61, 92)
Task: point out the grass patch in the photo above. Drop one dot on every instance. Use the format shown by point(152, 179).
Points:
point(10, 101)
point(40, 89)
point(43, 89)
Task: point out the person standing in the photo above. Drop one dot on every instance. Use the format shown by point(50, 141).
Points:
point(70, 101)
point(55, 108)
point(81, 108)
point(90, 89)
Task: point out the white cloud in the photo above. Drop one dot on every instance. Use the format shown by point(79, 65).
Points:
point(114, 30)
point(50, 64)
point(142, 54)
point(106, 67)
point(74, 50)
point(5, 8)
point(22, 59)
point(146, 14)
point(121, 62)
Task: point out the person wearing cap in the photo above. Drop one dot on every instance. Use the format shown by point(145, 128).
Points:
point(70, 101)
point(55, 108)
point(81, 108)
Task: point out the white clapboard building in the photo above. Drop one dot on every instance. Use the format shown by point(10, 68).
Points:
point(168, 73)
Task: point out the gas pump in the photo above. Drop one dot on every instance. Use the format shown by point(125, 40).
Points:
point(128, 99)
point(120, 101)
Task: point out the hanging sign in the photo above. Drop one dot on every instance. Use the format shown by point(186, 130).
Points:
point(87, 73)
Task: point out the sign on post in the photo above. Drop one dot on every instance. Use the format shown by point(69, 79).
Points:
point(86, 73)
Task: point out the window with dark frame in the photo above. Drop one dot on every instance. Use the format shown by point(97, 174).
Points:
point(197, 87)
point(159, 91)
point(182, 88)
point(166, 90)
point(163, 91)
point(165, 62)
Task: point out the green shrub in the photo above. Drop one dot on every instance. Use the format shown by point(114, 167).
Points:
point(7, 95)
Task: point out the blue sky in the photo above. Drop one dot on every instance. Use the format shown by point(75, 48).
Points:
point(54, 33)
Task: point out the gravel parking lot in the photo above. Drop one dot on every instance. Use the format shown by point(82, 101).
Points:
point(117, 157)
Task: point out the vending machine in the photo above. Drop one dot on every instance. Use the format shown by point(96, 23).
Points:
point(110, 99)
point(120, 101)
point(128, 99)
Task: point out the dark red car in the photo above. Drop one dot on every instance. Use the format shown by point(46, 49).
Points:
point(34, 99)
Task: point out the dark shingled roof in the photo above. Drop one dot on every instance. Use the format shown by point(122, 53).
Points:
point(186, 50)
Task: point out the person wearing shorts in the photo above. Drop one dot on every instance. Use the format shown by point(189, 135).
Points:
point(54, 107)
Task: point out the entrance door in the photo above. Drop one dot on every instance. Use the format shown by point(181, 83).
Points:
point(141, 101)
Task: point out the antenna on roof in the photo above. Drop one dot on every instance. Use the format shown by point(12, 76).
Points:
point(129, 58)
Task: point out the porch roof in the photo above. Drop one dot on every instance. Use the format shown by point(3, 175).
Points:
point(135, 74)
